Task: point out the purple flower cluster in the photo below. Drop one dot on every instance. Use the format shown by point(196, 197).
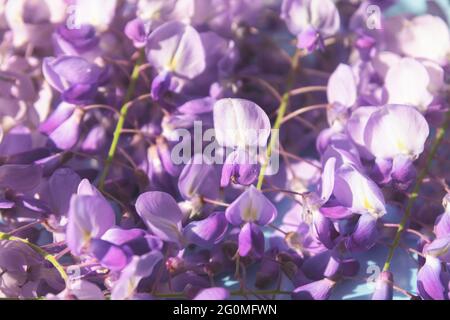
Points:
point(322, 138)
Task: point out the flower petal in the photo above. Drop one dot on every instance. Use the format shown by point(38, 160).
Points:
point(161, 214)
point(429, 280)
point(407, 83)
point(207, 232)
point(176, 47)
point(341, 87)
point(318, 290)
point(214, 293)
point(396, 130)
point(251, 206)
point(240, 123)
point(89, 217)
point(251, 240)
point(20, 177)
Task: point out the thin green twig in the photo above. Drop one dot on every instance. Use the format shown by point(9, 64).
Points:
point(175, 295)
point(439, 137)
point(295, 63)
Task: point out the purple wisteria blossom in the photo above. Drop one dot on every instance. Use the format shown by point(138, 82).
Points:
point(224, 149)
point(311, 21)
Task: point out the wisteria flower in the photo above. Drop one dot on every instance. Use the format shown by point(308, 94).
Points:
point(252, 209)
point(74, 77)
point(207, 150)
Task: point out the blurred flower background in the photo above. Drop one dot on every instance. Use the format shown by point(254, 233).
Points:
point(224, 149)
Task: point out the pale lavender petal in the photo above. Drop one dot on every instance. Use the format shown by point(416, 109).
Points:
point(66, 135)
point(109, 255)
point(198, 178)
point(439, 248)
point(365, 234)
point(318, 290)
point(65, 71)
point(89, 217)
point(341, 87)
point(120, 236)
point(356, 125)
point(442, 225)
point(214, 293)
point(59, 116)
point(240, 123)
point(396, 130)
point(87, 189)
point(208, 231)
point(413, 38)
point(81, 290)
point(429, 280)
point(176, 47)
point(356, 191)
point(139, 268)
point(251, 206)
point(336, 212)
point(327, 185)
point(301, 14)
point(384, 286)
point(251, 240)
point(407, 83)
point(95, 140)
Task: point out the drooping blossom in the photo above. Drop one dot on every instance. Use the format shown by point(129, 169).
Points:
point(311, 21)
point(244, 127)
point(174, 49)
point(252, 209)
point(74, 77)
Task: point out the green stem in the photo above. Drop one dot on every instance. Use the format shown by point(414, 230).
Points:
point(233, 293)
point(122, 116)
point(47, 256)
point(295, 63)
point(440, 134)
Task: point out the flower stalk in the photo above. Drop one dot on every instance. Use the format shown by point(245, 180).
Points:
point(122, 116)
point(47, 256)
point(295, 64)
